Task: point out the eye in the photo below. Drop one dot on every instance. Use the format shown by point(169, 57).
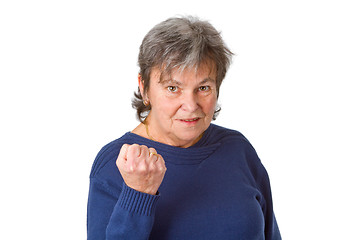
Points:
point(204, 88)
point(172, 89)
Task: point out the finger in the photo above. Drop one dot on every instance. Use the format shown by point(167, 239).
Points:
point(160, 162)
point(152, 150)
point(153, 155)
point(144, 154)
point(121, 160)
point(133, 152)
point(123, 151)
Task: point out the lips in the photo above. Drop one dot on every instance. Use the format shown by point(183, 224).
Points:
point(190, 120)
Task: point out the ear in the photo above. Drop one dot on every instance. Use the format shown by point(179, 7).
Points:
point(141, 85)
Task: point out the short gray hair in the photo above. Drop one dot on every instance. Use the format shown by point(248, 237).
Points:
point(182, 42)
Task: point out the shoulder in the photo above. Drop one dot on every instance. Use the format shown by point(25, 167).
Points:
point(104, 166)
point(231, 139)
point(221, 134)
point(236, 145)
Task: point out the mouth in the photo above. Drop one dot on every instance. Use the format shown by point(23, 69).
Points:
point(190, 120)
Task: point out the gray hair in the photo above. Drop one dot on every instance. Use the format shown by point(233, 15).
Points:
point(184, 42)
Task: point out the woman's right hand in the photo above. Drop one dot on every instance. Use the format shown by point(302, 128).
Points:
point(141, 168)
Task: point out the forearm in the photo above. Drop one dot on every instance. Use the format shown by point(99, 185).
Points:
point(129, 216)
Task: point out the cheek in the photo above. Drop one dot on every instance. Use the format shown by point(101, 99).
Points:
point(166, 107)
point(209, 105)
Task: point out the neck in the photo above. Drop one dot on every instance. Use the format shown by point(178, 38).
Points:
point(147, 130)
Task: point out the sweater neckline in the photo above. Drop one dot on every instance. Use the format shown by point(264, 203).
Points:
point(177, 155)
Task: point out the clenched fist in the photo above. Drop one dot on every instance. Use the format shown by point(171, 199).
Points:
point(141, 168)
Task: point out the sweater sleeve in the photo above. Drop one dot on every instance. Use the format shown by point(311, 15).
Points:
point(128, 215)
point(262, 180)
point(271, 228)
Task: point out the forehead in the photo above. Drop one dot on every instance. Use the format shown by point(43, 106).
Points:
point(205, 71)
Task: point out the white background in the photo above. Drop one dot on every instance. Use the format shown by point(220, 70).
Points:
point(68, 70)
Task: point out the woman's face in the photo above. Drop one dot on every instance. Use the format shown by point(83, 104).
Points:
point(182, 105)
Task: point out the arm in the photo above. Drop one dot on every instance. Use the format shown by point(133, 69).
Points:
point(271, 228)
point(128, 216)
point(261, 177)
point(126, 211)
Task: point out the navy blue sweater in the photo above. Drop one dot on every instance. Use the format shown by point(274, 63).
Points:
point(215, 189)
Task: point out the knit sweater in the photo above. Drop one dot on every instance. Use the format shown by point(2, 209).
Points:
point(215, 189)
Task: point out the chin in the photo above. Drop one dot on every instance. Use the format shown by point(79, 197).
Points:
point(191, 136)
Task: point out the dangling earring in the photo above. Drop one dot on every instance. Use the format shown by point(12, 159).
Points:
point(146, 103)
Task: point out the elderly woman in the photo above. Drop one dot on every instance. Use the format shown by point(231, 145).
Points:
point(215, 186)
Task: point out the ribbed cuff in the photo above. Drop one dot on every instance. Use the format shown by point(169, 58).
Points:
point(137, 202)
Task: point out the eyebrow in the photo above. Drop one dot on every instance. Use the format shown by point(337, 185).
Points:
point(173, 81)
point(170, 81)
point(208, 80)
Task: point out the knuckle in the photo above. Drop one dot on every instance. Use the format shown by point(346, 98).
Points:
point(153, 168)
point(152, 150)
point(130, 168)
point(118, 162)
point(142, 150)
point(143, 147)
point(136, 146)
point(134, 150)
point(133, 146)
point(142, 169)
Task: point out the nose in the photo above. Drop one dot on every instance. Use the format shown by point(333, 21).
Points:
point(190, 102)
